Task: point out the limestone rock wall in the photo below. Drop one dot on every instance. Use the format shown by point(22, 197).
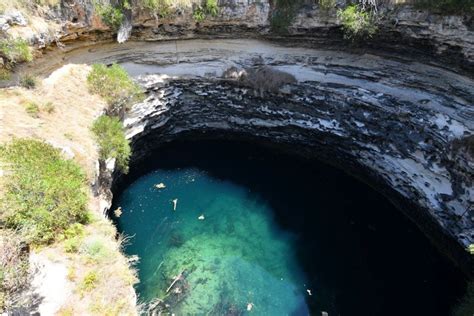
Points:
point(402, 29)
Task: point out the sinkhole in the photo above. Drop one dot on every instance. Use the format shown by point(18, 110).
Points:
point(233, 228)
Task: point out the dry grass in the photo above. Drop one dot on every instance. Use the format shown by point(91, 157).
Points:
point(101, 276)
point(67, 126)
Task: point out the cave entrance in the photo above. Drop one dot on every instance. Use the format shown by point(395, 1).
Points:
point(258, 231)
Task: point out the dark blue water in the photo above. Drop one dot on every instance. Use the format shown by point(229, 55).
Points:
point(257, 232)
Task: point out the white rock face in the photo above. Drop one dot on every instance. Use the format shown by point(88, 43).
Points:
point(391, 119)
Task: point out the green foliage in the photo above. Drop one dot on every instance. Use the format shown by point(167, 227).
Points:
point(160, 7)
point(115, 86)
point(356, 22)
point(28, 81)
point(466, 305)
point(327, 5)
point(32, 109)
point(97, 249)
point(462, 7)
point(89, 282)
point(110, 136)
point(73, 237)
point(199, 15)
point(15, 50)
point(210, 8)
point(284, 14)
point(110, 15)
point(44, 193)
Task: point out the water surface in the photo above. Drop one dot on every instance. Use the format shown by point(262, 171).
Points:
point(259, 230)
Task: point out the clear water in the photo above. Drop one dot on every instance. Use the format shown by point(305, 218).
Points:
point(221, 236)
point(256, 227)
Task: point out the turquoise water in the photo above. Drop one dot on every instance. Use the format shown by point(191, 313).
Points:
point(255, 226)
point(221, 237)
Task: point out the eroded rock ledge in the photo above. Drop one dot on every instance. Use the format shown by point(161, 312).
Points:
point(404, 128)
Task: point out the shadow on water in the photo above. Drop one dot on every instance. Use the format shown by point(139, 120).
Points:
point(360, 255)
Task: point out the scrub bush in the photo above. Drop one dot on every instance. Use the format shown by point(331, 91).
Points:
point(110, 15)
point(44, 193)
point(160, 7)
point(28, 81)
point(15, 50)
point(115, 86)
point(357, 23)
point(98, 249)
point(110, 136)
point(327, 5)
point(32, 109)
point(210, 8)
point(89, 282)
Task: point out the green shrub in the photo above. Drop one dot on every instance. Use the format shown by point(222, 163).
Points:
point(28, 81)
point(327, 5)
point(72, 245)
point(32, 109)
point(160, 7)
point(110, 15)
point(283, 15)
point(462, 7)
point(97, 249)
point(115, 86)
point(110, 136)
point(89, 282)
point(356, 22)
point(199, 15)
point(15, 50)
point(44, 193)
point(73, 237)
point(210, 8)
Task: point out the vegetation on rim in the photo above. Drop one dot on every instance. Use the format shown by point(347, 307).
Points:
point(44, 193)
point(112, 15)
point(110, 136)
point(201, 12)
point(357, 22)
point(13, 51)
point(115, 86)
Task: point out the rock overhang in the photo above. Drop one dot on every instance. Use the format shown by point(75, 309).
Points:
point(392, 122)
